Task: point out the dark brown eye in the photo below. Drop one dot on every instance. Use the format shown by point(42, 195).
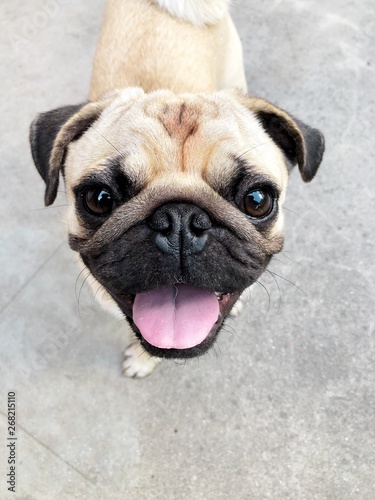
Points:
point(258, 203)
point(98, 201)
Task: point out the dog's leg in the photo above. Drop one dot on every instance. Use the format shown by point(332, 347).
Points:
point(137, 362)
point(239, 305)
point(237, 308)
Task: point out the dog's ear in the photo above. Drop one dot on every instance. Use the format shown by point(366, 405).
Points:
point(52, 132)
point(43, 132)
point(301, 144)
point(50, 135)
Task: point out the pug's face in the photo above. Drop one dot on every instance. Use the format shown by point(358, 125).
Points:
point(175, 201)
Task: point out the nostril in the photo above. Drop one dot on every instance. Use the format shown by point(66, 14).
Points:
point(161, 222)
point(165, 232)
point(199, 223)
point(197, 231)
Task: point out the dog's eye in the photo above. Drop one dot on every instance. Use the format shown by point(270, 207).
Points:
point(258, 203)
point(98, 201)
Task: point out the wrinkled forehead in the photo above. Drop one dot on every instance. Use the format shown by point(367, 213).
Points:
point(212, 117)
point(163, 134)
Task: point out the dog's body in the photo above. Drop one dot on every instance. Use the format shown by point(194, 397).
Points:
point(143, 45)
point(175, 186)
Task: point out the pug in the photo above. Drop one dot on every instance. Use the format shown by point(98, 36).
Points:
point(175, 177)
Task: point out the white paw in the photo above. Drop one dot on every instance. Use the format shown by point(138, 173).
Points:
point(237, 308)
point(137, 362)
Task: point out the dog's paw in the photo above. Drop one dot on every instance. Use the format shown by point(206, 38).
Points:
point(237, 308)
point(137, 362)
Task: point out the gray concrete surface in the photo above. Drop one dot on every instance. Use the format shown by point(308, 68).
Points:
point(284, 408)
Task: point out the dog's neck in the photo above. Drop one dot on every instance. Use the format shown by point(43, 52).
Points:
point(195, 11)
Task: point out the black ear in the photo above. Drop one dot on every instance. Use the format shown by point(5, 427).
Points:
point(43, 133)
point(302, 145)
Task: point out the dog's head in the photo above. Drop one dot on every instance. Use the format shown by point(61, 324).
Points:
point(175, 201)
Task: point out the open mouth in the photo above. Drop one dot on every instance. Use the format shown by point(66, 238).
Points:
point(179, 320)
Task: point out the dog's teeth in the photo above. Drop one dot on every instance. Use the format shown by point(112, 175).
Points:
point(219, 295)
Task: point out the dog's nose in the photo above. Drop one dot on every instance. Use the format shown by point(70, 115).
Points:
point(180, 228)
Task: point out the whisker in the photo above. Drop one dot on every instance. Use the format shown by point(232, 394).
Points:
point(293, 212)
point(278, 288)
point(109, 142)
point(178, 362)
point(215, 349)
point(291, 260)
point(228, 329)
point(79, 295)
point(250, 149)
point(79, 275)
point(269, 296)
point(100, 287)
point(286, 279)
point(48, 208)
point(246, 296)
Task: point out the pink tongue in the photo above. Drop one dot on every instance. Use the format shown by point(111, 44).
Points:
point(175, 317)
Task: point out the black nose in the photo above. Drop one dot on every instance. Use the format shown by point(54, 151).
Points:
point(180, 228)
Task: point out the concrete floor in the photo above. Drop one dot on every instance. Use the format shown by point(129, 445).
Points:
point(285, 406)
